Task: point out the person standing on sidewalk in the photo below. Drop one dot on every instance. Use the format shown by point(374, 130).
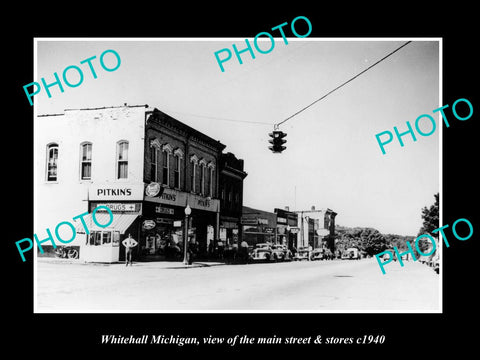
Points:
point(129, 244)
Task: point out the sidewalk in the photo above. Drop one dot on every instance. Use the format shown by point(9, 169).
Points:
point(150, 264)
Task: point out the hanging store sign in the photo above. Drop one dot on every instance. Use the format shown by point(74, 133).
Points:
point(127, 207)
point(149, 224)
point(165, 221)
point(153, 189)
point(294, 230)
point(164, 210)
point(322, 232)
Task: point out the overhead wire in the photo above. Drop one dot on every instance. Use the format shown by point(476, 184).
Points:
point(341, 85)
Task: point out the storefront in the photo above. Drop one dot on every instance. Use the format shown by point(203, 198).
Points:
point(163, 219)
point(152, 215)
point(287, 228)
point(229, 231)
point(258, 226)
point(125, 203)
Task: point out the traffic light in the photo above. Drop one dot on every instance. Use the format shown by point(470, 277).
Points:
point(277, 141)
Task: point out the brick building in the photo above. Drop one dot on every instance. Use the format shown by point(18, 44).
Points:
point(231, 179)
point(142, 164)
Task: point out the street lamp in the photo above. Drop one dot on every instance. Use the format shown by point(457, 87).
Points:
point(288, 236)
point(188, 211)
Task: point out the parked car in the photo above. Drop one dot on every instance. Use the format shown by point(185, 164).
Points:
point(302, 254)
point(261, 252)
point(351, 253)
point(318, 254)
point(281, 253)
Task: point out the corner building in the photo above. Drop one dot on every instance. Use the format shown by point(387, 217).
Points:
point(142, 164)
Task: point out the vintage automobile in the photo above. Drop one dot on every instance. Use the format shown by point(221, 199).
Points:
point(281, 253)
point(302, 254)
point(261, 252)
point(318, 254)
point(351, 253)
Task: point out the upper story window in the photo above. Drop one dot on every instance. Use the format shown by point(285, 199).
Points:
point(166, 151)
point(52, 162)
point(211, 169)
point(193, 176)
point(86, 161)
point(203, 164)
point(122, 159)
point(154, 150)
point(178, 156)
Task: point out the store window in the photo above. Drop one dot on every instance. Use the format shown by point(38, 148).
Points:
point(86, 161)
point(105, 237)
point(122, 159)
point(52, 162)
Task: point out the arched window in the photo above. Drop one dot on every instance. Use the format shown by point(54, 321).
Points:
point(166, 151)
point(193, 178)
point(86, 161)
point(178, 156)
point(203, 165)
point(52, 162)
point(122, 159)
point(211, 169)
point(154, 150)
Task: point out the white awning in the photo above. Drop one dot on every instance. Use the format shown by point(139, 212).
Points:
point(120, 222)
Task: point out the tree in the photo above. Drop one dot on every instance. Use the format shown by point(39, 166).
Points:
point(373, 242)
point(431, 220)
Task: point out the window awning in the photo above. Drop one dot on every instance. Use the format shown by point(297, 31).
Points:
point(121, 222)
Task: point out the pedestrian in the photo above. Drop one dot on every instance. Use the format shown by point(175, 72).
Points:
point(129, 244)
point(244, 251)
point(191, 250)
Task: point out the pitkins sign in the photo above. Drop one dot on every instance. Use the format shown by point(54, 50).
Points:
point(118, 192)
point(180, 198)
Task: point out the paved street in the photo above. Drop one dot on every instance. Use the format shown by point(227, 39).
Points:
point(339, 285)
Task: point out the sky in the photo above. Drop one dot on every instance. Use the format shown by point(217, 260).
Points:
point(332, 158)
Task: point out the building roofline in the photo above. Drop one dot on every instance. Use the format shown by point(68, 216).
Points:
point(156, 113)
point(94, 108)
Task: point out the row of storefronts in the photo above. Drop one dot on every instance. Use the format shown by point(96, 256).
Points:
point(164, 182)
point(156, 219)
point(293, 229)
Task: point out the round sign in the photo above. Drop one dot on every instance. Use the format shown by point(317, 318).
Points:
point(152, 189)
point(323, 232)
point(148, 224)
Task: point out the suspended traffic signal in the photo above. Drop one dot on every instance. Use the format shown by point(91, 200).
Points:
point(277, 141)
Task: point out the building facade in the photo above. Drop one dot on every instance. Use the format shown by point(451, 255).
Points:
point(259, 226)
point(230, 190)
point(143, 165)
point(287, 227)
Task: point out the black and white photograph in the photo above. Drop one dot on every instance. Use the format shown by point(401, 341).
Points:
point(165, 148)
point(290, 182)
